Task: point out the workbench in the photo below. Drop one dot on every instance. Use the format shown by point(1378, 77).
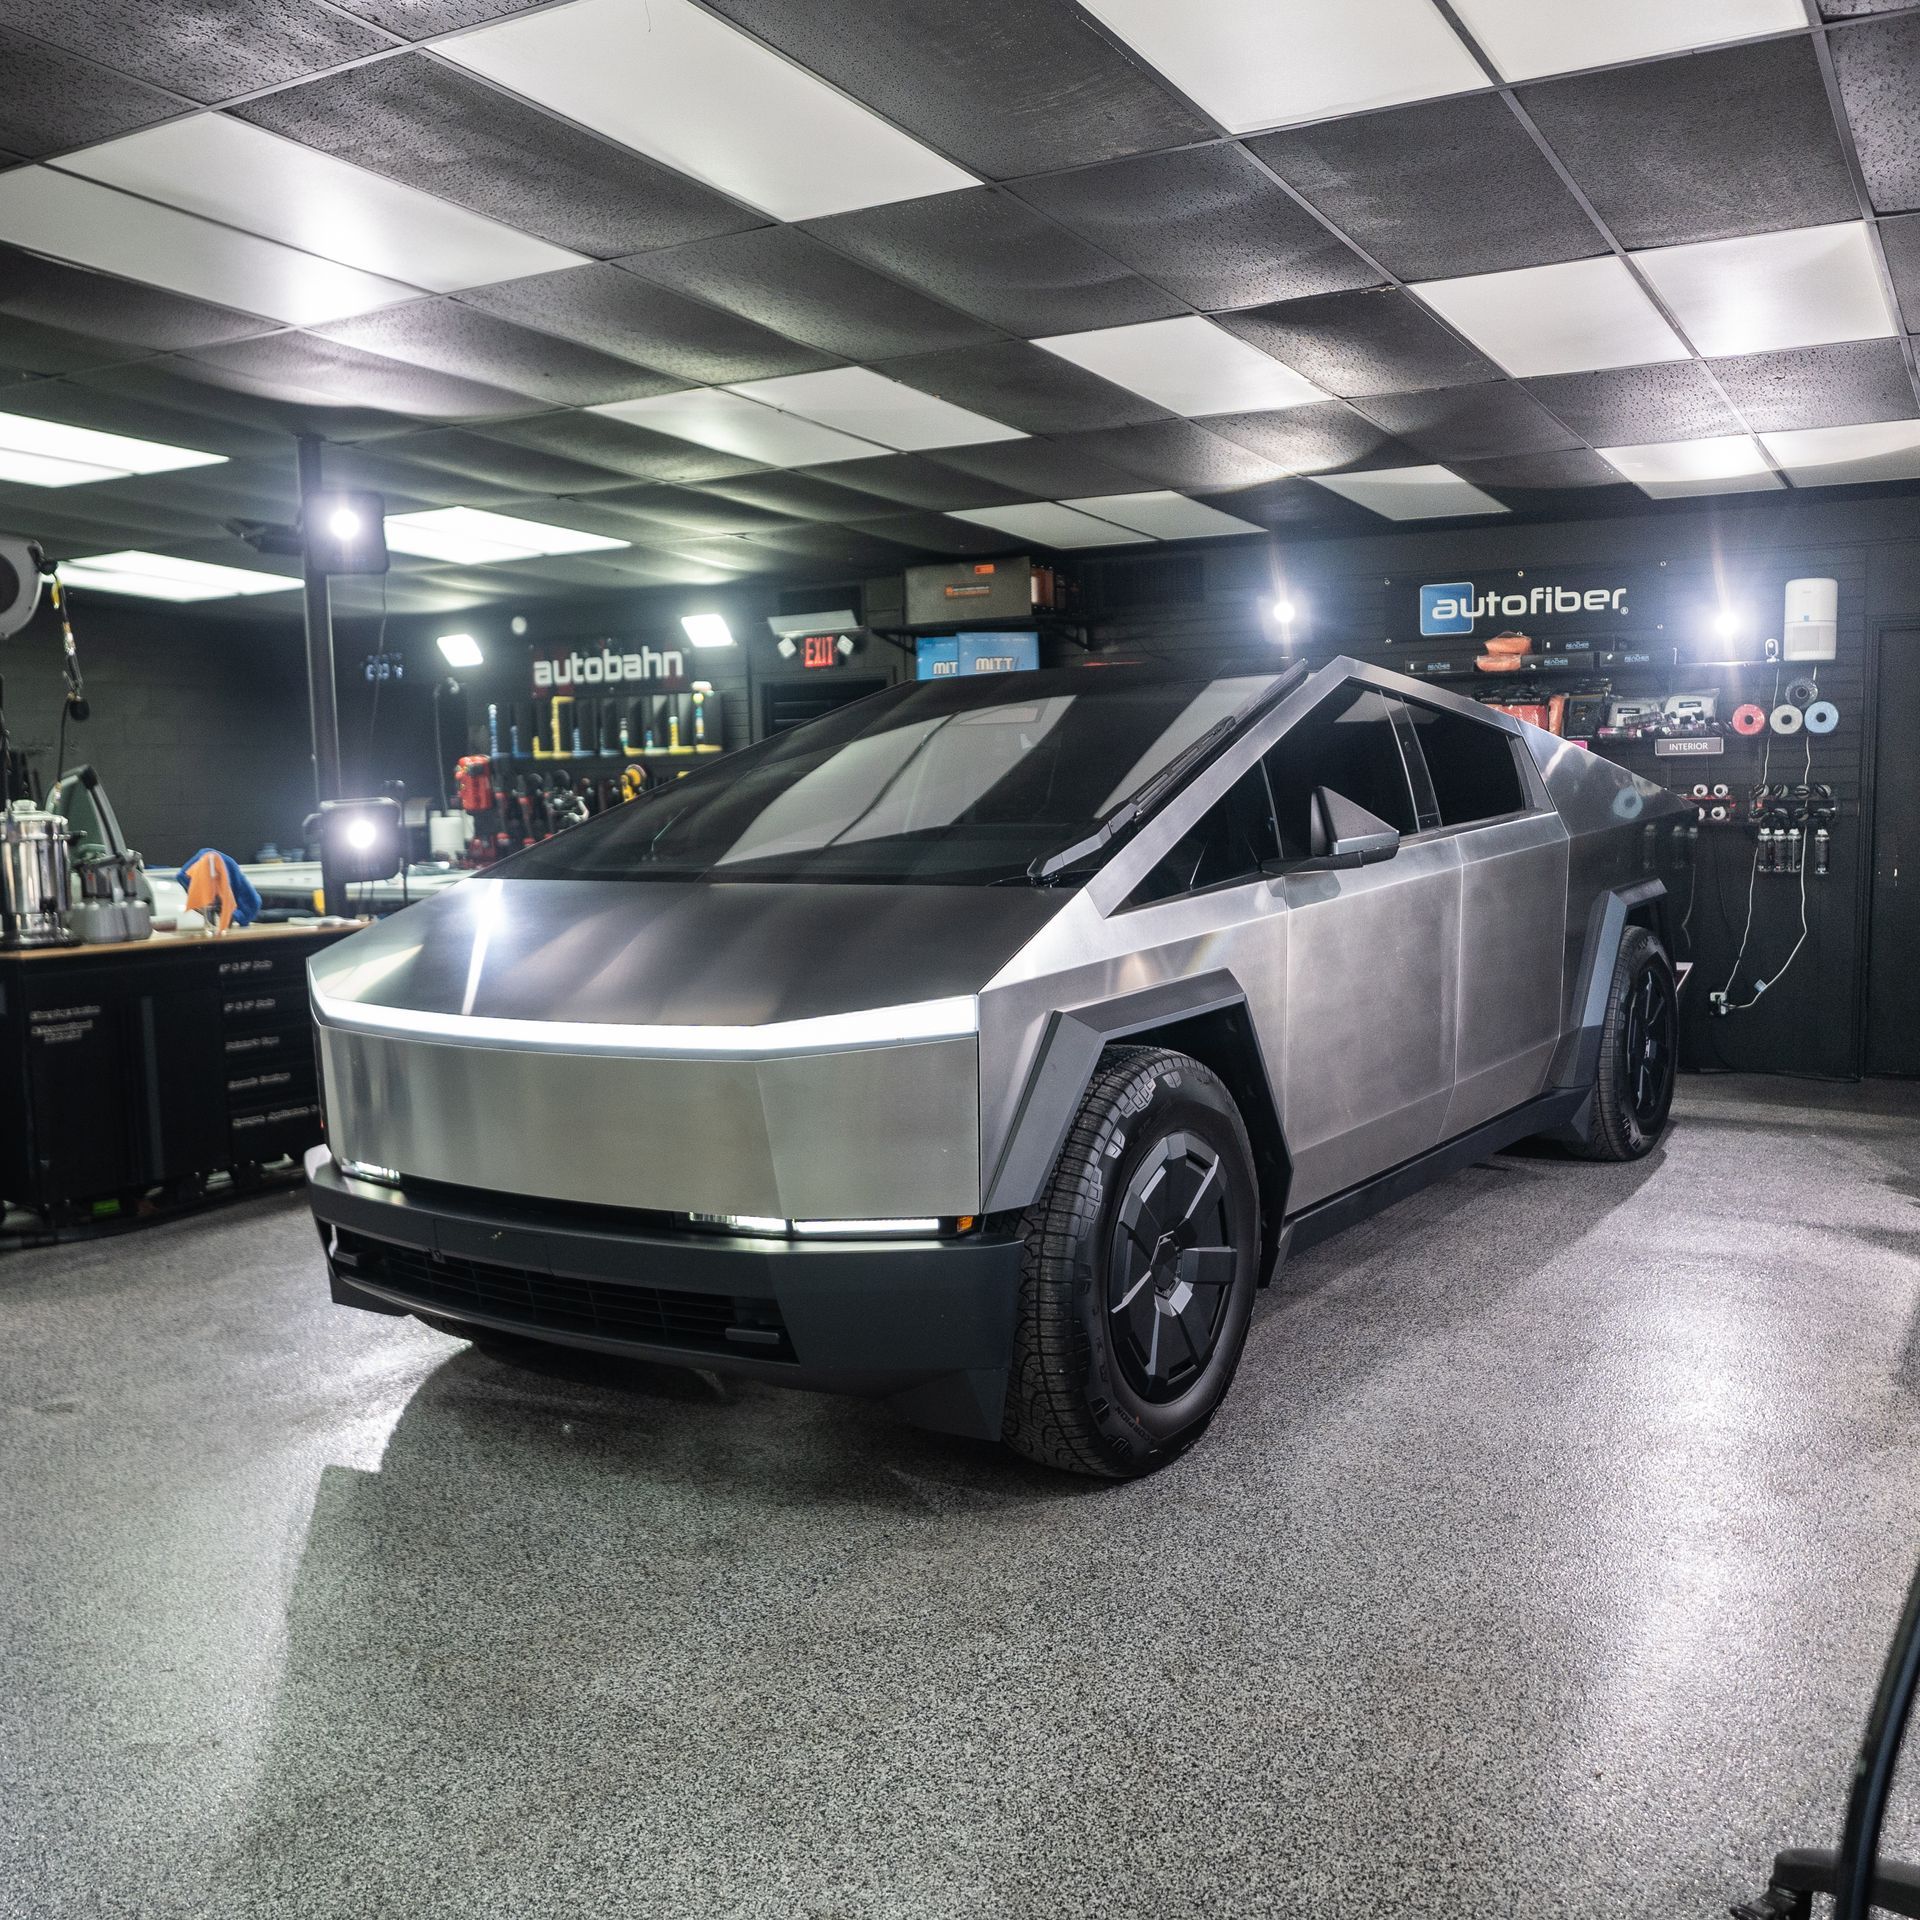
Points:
point(154, 1063)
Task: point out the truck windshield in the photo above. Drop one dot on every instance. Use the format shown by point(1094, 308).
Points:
point(941, 782)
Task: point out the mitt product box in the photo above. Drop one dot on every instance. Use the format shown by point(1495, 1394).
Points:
point(945, 656)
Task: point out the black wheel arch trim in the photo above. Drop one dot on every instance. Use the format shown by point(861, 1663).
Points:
point(1578, 1057)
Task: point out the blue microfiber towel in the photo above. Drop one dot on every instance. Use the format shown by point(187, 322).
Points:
point(246, 896)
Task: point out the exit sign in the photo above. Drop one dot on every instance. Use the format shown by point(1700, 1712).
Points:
point(820, 650)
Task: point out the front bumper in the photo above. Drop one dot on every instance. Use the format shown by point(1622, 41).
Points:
point(925, 1324)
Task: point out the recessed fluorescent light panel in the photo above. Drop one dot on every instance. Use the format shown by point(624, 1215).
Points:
point(470, 537)
point(45, 453)
point(671, 80)
point(159, 576)
point(96, 226)
point(1164, 515)
point(1569, 318)
point(1764, 291)
point(865, 404)
point(459, 649)
point(706, 630)
point(1677, 469)
point(246, 177)
point(1848, 456)
point(1187, 364)
point(1272, 63)
point(729, 423)
point(1525, 38)
point(1410, 493)
point(1052, 525)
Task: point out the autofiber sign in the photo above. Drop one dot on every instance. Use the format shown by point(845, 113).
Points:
point(1459, 607)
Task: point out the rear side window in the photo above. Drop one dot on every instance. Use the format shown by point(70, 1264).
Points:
point(1471, 764)
point(1347, 743)
point(1231, 841)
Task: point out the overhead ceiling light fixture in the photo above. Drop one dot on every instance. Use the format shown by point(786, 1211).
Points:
point(470, 537)
point(162, 576)
point(706, 630)
point(459, 649)
point(47, 453)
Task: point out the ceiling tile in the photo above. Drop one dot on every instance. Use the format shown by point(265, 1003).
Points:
point(1524, 473)
point(1849, 456)
point(29, 351)
point(841, 549)
point(1410, 493)
point(1525, 39)
point(1900, 237)
point(620, 448)
point(242, 176)
point(992, 256)
point(866, 404)
point(302, 368)
point(1186, 364)
point(730, 423)
point(1860, 9)
point(1028, 388)
point(1878, 64)
point(503, 463)
point(1853, 383)
point(1295, 507)
point(1269, 63)
point(1048, 524)
point(1628, 406)
point(1448, 188)
point(911, 480)
point(122, 316)
point(1164, 516)
point(600, 306)
point(50, 100)
point(793, 283)
point(1206, 224)
point(687, 510)
point(1376, 341)
point(604, 513)
point(1734, 141)
point(421, 121)
point(456, 339)
point(211, 50)
point(1732, 463)
point(1470, 423)
point(673, 81)
point(1769, 290)
point(1566, 318)
point(1043, 469)
point(1179, 453)
point(183, 386)
point(417, 19)
point(95, 226)
point(799, 496)
point(935, 533)
point(1005, 86)
point(1315, 439)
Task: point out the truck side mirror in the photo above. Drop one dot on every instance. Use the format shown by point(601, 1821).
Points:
point(1340, 834)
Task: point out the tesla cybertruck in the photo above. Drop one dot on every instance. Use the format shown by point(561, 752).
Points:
point(985, 1044)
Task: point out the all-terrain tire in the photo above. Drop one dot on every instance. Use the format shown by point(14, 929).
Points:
point(1090, 1392)
point(1639, 1048)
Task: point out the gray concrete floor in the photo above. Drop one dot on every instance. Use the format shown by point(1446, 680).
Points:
point(1541, 1564)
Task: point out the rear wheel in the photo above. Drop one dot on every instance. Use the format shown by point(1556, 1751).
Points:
point(1639, 1052)
point(1141, 1263)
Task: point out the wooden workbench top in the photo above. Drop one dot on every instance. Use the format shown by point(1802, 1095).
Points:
point(180, 942)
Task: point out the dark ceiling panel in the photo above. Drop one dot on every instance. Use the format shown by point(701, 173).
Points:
point(172, 411)
point(621, 314)
point(123, 316)
point(1737, 140)
point(503, 464)
point(29, 351)
point(1175, 453)
point(1296, 507)
point(51, 100)
point(793, 283)
point(601, 514)
point(836, 549)
point(407, 484)
point(800, 496)
point(1004, 86)
point(1043, 469)
point(1859, 9)
point(633, 452)
point(1540, 472)
point(439, 129)
point(1469, 423)
point(1838, 386)
point(936, 533)
point(182, 386)
point(989, 254)
point(1901, 238)
point(211, 50)
point(1379, 340)
point(1635, 406)
point(303, 369)
point(1879, 68)
point(417, 19)
point(670, 511)
point(457, 339)
point(1444, 188)
point(1206, 224)
point(1316, 439)
point(1024, 386)
point(912, 480)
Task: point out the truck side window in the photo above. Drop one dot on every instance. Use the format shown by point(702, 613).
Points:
point(1347, 743)
point(1231, 841)
point(1471, 764)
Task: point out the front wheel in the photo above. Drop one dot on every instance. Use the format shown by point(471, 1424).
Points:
point(1639, 1052)
point(1141, 1261)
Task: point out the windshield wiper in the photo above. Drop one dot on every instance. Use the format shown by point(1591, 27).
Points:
point(1046, 868)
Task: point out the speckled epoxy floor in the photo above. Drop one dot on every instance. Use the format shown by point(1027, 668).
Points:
point(1540, 1565)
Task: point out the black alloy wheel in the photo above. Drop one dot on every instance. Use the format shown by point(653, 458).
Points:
point(1652, 1034)
point(1639, 1053)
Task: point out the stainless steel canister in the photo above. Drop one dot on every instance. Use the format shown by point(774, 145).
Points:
point(33, 877)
